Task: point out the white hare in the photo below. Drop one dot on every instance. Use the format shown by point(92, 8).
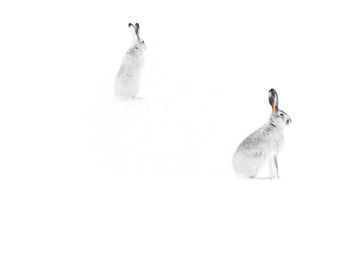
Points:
point(263, 145)
point(128, 78)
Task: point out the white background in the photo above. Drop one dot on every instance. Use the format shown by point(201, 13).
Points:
point(87, 178)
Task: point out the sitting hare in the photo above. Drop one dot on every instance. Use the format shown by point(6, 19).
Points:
point(263, 145)
point(127, 80)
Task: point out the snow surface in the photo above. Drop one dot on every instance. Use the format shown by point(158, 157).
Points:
point(88, 178)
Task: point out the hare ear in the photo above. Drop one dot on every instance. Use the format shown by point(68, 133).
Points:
point(131, 25)
point(137, 28)
point(273, 99)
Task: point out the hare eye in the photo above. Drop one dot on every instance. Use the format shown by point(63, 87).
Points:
point(281, 114)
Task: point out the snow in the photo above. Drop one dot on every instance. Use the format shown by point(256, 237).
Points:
point(88, 178)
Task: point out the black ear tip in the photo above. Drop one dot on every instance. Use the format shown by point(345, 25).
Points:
point(272, 92)
point(130, 25)
point(137, 24)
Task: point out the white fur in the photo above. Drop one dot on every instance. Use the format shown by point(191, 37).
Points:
point(261, 147)
point(257, 149)
point(128, 78)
